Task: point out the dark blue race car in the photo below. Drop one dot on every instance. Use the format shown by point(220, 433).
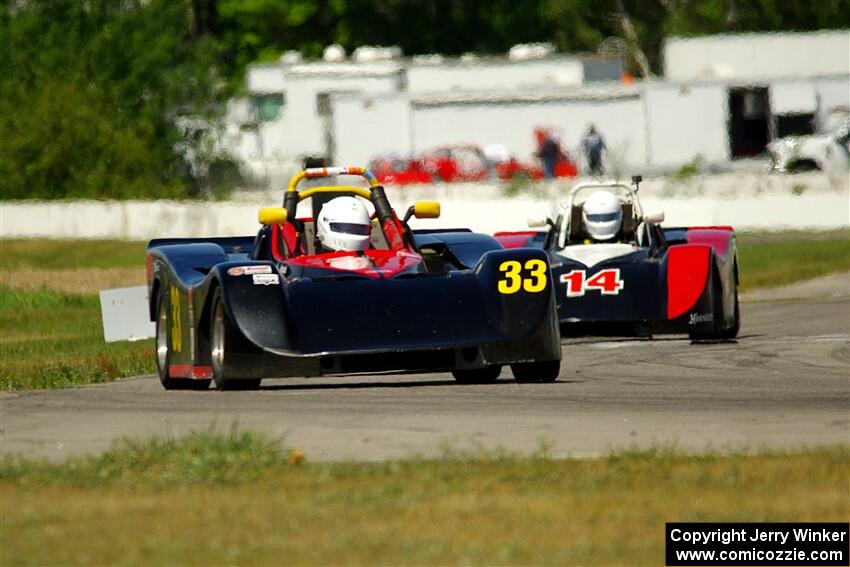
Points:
point(275, 304)
point(647, 279)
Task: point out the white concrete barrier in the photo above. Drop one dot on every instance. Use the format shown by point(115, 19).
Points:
point(747, 202)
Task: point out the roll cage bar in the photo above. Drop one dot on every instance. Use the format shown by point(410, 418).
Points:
point(566, 205)
point(375, 194)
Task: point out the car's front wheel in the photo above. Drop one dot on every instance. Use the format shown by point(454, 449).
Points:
point(220, 330)
point(544, 371)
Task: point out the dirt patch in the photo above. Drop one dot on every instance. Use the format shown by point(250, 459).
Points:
point(72, 280)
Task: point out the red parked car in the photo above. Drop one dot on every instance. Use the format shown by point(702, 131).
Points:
point(391, 170)
point(461, 162)
point(467, 162)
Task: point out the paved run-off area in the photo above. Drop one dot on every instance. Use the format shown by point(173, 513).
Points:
point(785, 383)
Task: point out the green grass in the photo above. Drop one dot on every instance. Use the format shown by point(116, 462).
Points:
point(53, 254)
point(240, 498)
point(54, 340)
point(772, 260)
point(209, 456)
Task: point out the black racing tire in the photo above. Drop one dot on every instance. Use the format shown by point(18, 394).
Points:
point(723, 334)
point(536, 372)
point(163, 353)
point(221, 331)
point(484, 375)
point(732, 332)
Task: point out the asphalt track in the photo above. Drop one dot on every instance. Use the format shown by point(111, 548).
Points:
point(784, 384)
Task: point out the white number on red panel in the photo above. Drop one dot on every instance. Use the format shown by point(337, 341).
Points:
point(608, 282)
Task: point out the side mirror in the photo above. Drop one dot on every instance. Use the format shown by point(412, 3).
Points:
point(272, 215)
point(654, 218)
point(423, 210)
point(426, 209)
point(636, 179)
point(538, 221)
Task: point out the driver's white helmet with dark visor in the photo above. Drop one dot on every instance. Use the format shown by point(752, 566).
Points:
point(343, 225)
point(602, 214)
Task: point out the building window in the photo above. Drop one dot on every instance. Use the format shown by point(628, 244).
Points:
point(268, 106)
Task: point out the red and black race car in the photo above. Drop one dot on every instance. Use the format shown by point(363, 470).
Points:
point(647, 280)
point(237, 310)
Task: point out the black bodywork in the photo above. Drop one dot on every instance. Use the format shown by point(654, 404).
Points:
point(440, 313)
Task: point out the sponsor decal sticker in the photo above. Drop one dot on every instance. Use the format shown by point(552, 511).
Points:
point(248, 270)
point(266, 279)
point(697, 318)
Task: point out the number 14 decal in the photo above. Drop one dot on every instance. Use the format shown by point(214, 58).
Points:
point(608, 282)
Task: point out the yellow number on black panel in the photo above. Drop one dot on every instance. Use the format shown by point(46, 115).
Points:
point(537, 280)
point(514, 280)
point(176, 325)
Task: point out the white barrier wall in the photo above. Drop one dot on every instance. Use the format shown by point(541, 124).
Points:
point(747, 202)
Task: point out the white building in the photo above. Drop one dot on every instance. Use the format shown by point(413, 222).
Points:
point(774, 84)
point(290, 118)
point(286, 118)
point(723, 97)
point(762, 56)
point(407, 124)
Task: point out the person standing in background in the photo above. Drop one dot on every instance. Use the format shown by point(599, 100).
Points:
point(593, 145)
point(549, 151)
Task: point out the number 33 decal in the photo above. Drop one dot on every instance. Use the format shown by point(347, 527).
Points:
point(608, 282)
point(514, 280)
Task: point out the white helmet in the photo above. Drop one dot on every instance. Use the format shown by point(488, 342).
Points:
point(343, 224)
point(603, 215)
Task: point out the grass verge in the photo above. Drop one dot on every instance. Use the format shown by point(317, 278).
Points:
point(50, 339)
point(55, 254)
point(777, 259)
point(240, 498)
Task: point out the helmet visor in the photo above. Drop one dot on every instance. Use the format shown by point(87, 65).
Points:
point(604, 217)
point(350, 228)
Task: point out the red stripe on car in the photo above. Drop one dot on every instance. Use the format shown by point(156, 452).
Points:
point(687, 273)
point(518, 239)
point(718, 237)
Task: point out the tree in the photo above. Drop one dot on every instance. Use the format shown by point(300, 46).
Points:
point(90, 94)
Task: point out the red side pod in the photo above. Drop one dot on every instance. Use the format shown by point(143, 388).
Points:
point(518, 239)
point(687, 274)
